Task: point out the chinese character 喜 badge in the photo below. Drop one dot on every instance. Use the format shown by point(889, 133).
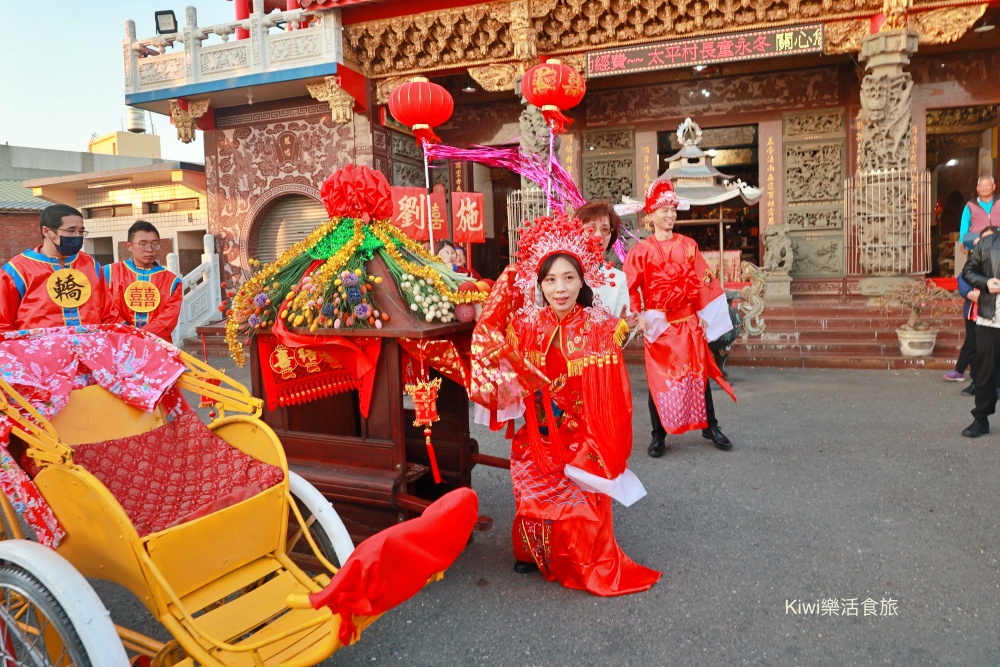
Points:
point(68, 288)
point(142, 296)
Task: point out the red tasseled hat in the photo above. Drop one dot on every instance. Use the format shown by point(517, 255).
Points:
point(661, 193)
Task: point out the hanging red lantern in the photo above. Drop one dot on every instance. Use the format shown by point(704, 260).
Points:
point(553, 88)
point(421, 106)
point(424, 394)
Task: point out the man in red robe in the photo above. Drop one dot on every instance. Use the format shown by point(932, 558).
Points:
point(144, 294)
point(55, 284)
point(682, 307)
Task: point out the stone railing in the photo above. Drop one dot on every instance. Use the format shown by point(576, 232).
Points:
point(160, 62)
point(202, 292)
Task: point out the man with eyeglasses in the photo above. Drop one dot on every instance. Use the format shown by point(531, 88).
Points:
point(144, 294)
point(55, 284)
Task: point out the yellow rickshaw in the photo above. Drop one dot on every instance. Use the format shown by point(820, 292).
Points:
point(221, 579)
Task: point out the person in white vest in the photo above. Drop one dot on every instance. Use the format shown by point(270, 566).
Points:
point(601, 219)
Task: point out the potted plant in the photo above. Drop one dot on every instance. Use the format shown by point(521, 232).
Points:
point(919, 297)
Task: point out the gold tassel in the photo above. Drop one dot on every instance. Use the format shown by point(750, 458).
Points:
point(512, 336)
point(621, 333)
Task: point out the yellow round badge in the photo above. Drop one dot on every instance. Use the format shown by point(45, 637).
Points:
point(142, 296)
point(68, 288)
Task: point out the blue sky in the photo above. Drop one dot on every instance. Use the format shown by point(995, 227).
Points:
point(61, 78)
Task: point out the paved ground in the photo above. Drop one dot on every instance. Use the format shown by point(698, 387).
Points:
point(843, 485)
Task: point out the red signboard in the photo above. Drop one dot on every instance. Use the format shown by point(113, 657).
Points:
point(409, 213)
point(750, 45)
point(468, 215)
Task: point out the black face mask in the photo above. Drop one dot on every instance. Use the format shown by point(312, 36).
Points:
point(69, 245)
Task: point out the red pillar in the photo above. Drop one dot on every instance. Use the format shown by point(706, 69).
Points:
point(242, 13)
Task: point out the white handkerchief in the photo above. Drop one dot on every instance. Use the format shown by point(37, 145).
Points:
point(657, 324)
point(626, 488)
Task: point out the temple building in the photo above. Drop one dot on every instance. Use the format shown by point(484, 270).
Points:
point(864, 123)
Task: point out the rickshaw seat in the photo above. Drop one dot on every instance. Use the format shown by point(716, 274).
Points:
point(175, 473)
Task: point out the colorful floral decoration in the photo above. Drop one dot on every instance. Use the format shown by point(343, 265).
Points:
point(321, 283)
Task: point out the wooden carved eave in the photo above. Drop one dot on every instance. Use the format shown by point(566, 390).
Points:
point(961, 120)
point(516, 31)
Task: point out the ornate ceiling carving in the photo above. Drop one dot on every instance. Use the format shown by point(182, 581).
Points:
point(494, 78)
point(961, 120)
point(943, 26)
point(844, 36)
point(517, 31)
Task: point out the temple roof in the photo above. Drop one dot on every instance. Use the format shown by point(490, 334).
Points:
point(695, 179)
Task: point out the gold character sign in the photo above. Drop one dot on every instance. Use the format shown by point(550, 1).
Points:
point(68, 288)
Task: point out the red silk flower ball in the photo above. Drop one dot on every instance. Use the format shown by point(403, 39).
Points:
point(421, 105)
point(357, 192)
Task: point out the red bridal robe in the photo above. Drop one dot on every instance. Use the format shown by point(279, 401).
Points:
point(580, 417)
point(162, 319)
point(28, 301)
point(670, 279)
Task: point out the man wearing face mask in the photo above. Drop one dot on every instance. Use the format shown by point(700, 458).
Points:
point(55, 284)
point(144, 294)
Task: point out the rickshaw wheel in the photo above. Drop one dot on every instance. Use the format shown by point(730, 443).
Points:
point(298, 547)
point(323, 523)
point(34, 628)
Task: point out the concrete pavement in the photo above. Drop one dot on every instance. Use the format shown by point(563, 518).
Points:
point(844, 486)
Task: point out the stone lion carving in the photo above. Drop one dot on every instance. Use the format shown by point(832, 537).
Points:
point(778, 251)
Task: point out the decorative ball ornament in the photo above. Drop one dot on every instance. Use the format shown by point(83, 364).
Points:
point(553, 88)
point(421, 106)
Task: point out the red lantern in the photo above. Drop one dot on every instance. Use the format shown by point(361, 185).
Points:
point(553, 88)
point(421, 105)
point(424, 395)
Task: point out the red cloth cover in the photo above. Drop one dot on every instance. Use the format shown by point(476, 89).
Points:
point(358, 355)
point(391, 566)
point(176, 473)
point(300, 375)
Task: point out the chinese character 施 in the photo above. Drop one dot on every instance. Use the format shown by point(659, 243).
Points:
point(467, 217)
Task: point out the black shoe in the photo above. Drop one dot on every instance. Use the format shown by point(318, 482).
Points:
point(717, 437)
point(976, 429)
point(525, 566)
point(657, 447)
point(970, 390)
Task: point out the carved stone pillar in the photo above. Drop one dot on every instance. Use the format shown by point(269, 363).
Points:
point(185, 119)
point(534, 134)
point(884, 212)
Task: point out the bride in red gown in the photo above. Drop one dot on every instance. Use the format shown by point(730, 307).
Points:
point(561, 366)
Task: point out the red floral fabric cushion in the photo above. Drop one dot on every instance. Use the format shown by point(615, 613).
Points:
point(175, 473)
